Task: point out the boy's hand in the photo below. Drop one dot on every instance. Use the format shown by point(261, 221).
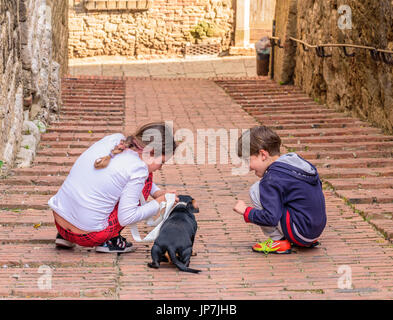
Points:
point(240, 207)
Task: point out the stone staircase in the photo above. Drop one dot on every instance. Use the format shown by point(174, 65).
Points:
point(348, 152)
point(352, 157)
point(92, 109)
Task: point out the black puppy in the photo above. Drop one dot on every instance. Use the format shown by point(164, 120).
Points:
point(176, 236)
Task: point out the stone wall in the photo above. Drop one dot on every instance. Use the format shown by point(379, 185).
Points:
point(33, 42)
point(160, 31)
point(359, 84)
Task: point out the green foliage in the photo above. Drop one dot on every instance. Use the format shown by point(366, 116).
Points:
point(204, 29)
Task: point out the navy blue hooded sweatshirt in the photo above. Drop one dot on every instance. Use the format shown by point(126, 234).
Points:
point(291, 193)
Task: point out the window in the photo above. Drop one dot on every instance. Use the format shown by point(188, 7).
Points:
point(118, 4)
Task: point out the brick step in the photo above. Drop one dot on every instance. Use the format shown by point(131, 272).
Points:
point(277, 95)
point(37, 254)
point(98, 113)
point(260, 87)
point(244, 92)
point(312, 155)
point(262, 97)
point(109, 87)
point(327, 147)
point(53, 161)
point(49, 152)
point(255, 107)
point(31, 181)
point(286, 108)
point(9, 189)
point(27, 216)
point(362, 183)
point(309, 123)
point(270, 101)
point(81, 283)
point(261, 92)
point(53, 136)
point(354, 163)
point(334, 173)
point(92, 118)
point(302, 118)
point(83, 123)
point(327, 132)
point(67, 92)
point(81, 83)
point(279, 125)
point(92, 107)
point(41, 171)
point(81, 102)
point(24, 201)
point(376, 210)
point(337, 139)
point(76, 129)
point(368, 196)
point(94, 86)
point(94, 94)
point(64, 145)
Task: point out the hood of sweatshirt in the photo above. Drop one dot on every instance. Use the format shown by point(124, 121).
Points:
point(296, 166)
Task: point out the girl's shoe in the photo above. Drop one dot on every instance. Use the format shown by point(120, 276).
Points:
point(63, 243)
point(117, 244)
point(270, 246)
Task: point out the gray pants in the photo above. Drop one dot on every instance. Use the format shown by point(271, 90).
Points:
point(275, 232)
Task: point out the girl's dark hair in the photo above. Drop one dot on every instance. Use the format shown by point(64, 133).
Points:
point(160, 138)
point(261, 137)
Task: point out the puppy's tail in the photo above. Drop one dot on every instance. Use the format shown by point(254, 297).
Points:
point(180, 264)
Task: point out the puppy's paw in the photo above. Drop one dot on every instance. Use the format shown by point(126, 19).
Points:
point(154, 265)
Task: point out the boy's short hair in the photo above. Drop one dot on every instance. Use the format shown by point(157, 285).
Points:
point(261, 138)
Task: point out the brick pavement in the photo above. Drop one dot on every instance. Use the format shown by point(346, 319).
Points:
point(230, 269)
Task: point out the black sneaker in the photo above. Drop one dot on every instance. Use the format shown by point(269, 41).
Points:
point(63, 243)
point(117, 244)
point(313, 245)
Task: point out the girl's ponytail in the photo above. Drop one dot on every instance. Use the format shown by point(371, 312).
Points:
point(135, 142)
point(104, 161)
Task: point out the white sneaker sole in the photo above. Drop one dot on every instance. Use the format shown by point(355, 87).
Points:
point(64, 243)
point(107, 250)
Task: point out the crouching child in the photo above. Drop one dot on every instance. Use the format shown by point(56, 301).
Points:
point(288, 202)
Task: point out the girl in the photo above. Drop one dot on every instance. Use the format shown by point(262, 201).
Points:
point(101, 194)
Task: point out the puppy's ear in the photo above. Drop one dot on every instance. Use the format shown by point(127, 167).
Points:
point(195, 206)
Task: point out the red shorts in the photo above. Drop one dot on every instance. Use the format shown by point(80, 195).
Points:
point(93, 239)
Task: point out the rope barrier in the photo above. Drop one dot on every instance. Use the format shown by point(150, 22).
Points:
point(376, 54)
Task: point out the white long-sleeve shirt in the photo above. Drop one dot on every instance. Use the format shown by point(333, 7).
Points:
point(89, 195)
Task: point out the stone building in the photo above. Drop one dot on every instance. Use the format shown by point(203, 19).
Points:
point(33, 58)
point(162, 28)
point(38, 36)
point(360, 84)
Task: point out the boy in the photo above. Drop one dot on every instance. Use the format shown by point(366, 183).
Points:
point(288, 201)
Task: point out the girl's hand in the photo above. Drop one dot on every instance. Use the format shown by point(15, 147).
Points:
point(240, 207)
point(159, 193)
point(161, 197)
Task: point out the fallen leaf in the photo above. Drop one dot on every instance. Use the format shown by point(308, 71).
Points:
point(37, 225)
